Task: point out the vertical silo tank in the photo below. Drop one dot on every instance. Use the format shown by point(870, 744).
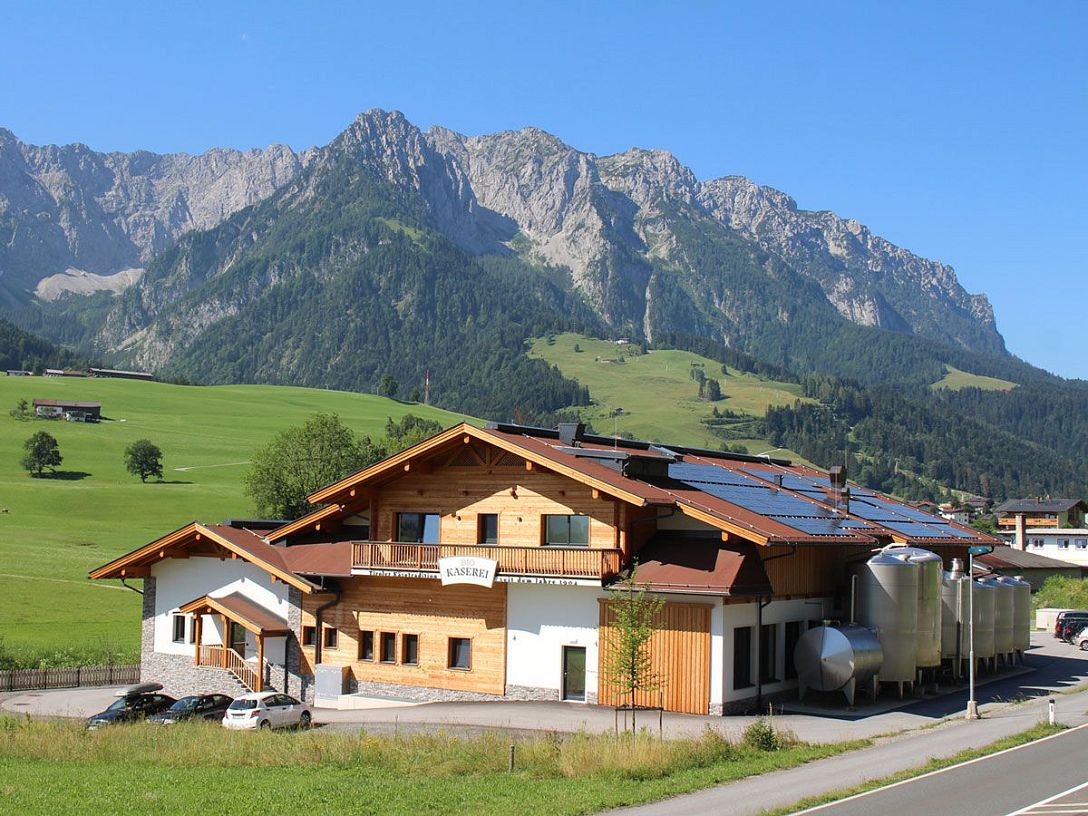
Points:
point(1021, 612)
point(888, 603)
point(1004, 603)
point(984, 620)
point(929, 602)
point(954, 629)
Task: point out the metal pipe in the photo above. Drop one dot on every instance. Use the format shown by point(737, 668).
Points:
point(318, 634)
point(126, 586)
point(853, 596)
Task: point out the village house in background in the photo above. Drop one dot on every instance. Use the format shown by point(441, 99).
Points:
point(1054, 528)
point(476, 565)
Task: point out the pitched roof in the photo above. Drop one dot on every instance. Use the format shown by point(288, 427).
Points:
point(241, 609)
point(1039, 505)
point(1006, 557)
point(702, 566)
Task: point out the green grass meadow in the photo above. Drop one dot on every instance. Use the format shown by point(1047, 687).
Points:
point(60, 768)
point(658, 397)
point(956, 380)
point(54, 530)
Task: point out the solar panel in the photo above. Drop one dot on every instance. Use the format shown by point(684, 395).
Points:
point(904, 511)
point(916, 530)
point(709, 474)
point(821, 526)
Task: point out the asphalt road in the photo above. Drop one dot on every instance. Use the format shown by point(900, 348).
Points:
point(1049, 776)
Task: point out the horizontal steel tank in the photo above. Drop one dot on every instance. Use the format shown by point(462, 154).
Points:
point(837, 658)
point(888, 604)
point(1004, 610)
point(1021, 612)
point(929, 602)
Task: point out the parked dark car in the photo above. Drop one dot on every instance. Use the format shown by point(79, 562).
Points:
point(133, 703)
point(1068, 624)
point(194, 707)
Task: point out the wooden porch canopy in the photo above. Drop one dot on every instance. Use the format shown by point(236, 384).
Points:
point(234, 608)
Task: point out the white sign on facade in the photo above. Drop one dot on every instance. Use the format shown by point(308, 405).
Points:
point(467, 570)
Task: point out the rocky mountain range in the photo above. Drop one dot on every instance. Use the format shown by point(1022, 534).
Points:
point(629, 229)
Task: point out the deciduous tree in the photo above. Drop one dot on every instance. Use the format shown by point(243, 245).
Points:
point(41, 451)
point(628, 664)
point(144, 459)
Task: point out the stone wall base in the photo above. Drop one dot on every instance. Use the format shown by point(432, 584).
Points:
point(180, 677)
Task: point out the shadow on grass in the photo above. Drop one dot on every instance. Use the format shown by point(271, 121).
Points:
point(169, 481)
point(64, 475)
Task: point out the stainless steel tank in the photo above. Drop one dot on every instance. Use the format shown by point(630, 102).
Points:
point(954, 630)
point(929, 602)
point(888, 603)
point(1004, 603)
point(1021, 612)
point(985, 601)
point(837, 658)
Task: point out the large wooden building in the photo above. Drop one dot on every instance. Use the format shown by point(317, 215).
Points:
point(477, 564)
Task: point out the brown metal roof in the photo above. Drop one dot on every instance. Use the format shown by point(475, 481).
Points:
point(1005, 557)
point(66, 404)
point(330, 558)
point(241, 609)
point(704, 566)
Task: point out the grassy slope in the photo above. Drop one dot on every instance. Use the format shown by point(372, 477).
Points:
point(658, 397)
point(956, 379)
point(52, 531)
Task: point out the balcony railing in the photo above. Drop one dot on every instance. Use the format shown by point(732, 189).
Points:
point(544, 561)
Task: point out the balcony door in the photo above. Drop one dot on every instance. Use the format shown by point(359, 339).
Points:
point(574, 673)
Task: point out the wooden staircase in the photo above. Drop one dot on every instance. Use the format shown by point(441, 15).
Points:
point(227, 659)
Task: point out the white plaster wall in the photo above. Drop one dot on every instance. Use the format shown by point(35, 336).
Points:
point(540, 621)
point(777, 612)
point(1075, 553)
point(180, 580)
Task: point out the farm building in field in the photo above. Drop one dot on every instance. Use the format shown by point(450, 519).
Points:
point(64, 372)
point(477, 565)
point(113, 373)
point(67, 409)
point(18, 372)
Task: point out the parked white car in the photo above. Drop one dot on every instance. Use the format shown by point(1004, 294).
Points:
point(267, 709)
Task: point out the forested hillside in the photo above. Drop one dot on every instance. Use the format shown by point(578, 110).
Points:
point(22, 350)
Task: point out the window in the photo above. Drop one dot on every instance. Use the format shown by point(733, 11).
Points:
point(569, 531)
point(793, 634)
point(331, 636)
point(742, 657)
point(1037, 543)
point(460, 656)
point(409, 650)
point(487, 528)
point(768, 652)
point(1082, 543)
point(1063, 543)
point(389, 647)
point(417, 528)
point(309, 636)
point(179, 628)
point(366, 645)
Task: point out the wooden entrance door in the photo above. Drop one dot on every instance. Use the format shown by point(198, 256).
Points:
point(238, 638)
point(679, 654)
point(574, 673)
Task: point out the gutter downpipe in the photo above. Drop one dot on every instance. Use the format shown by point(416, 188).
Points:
point(759, 631)
point(126, 586)
point(319, 636)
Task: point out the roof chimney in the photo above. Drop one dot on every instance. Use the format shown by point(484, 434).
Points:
point(571, 432)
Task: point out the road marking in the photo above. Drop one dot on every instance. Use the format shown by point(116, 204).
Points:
point(59, 581)
point(818, 808)
point(1048, 808)
point(204, 467)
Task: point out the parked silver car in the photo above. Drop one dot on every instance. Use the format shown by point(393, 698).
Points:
point(267, 709)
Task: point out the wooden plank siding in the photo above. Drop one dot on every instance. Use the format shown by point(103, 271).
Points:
point(679, 654)
point(813, 571)
point(421, 607)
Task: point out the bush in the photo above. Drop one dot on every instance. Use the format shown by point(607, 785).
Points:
point(1060, 592)
point(761, 736)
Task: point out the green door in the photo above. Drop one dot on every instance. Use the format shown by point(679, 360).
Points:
point(574, 673)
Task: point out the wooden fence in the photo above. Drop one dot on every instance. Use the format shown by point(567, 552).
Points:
point(24, 679)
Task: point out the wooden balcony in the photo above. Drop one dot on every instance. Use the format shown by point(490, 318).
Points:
point(542, 562)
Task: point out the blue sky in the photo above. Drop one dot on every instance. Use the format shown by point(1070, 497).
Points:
point(957, 130)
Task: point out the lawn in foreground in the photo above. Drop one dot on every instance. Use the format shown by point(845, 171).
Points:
point(56, 768)
point(58, 529)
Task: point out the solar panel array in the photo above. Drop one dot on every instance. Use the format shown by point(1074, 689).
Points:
point(764, 499)
point(759, 497)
